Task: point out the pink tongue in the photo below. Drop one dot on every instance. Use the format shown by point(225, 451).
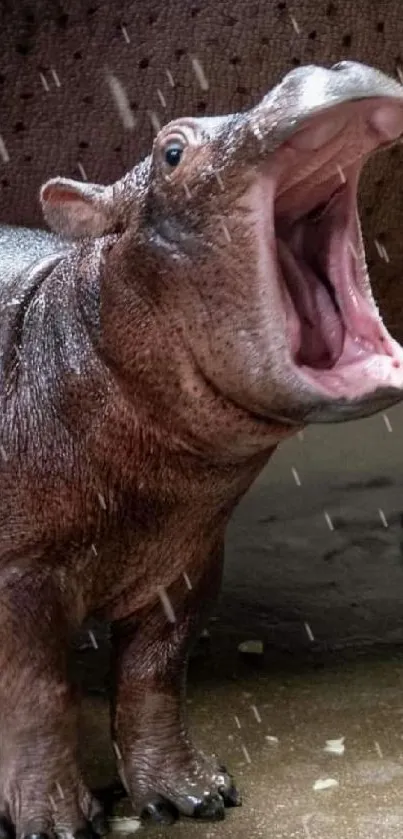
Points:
point(365, 330)
point(321, 332)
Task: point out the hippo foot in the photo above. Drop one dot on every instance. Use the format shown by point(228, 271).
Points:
point(201, 790)
point(35, 807)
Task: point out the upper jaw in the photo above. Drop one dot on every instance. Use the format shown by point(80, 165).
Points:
point(309, 91)
point(323, 149)
point(238, 141)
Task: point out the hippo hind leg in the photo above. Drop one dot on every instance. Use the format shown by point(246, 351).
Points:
point(41, 791)
point(162, 771)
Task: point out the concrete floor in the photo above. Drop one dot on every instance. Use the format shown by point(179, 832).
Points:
point(315, 572)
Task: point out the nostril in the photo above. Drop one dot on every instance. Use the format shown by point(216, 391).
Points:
point(342, 65)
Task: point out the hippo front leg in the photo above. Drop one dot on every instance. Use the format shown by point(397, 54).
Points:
point(163, 772)
point(42, 794)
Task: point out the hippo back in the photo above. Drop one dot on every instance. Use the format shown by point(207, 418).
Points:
point(27, 258)
point(21, 248)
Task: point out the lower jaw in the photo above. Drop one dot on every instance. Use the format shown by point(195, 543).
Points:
point(365, 377)
point(367, 361)
point(365, 367)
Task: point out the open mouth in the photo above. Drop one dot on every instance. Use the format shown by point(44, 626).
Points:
point(336, 338)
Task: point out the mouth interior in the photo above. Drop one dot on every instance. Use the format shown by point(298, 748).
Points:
point(322, 262)
point(334, 331)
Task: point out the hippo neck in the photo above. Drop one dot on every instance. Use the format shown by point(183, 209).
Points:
point(70, 431)
point(143, 345)
point(103, 358)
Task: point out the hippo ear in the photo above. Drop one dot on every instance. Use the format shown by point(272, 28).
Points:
point(77, 209)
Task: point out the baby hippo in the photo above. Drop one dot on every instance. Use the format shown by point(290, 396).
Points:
point(154, 350)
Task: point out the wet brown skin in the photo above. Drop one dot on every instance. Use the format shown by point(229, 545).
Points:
point(151, 531)
point(121, 464)
point(108, 496)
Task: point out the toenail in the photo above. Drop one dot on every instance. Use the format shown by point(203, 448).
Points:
point(159, 810)
point(231, 796)
point(210, 809)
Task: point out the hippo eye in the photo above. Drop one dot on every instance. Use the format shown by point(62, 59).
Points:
point(173, 154)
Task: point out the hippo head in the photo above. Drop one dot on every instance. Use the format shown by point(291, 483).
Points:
point(244, 230)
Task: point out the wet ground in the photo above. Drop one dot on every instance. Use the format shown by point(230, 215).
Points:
point(314, 573)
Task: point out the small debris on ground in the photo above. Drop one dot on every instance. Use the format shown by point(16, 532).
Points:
point(128, 824)
point(325, 783)
point(335, 747)
point(251, 647)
